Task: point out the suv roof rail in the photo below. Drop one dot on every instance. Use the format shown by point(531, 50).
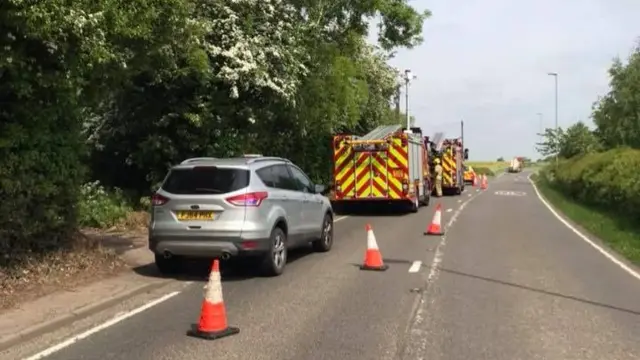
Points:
point(252, 155)
point(267, 158)
point(191, 160)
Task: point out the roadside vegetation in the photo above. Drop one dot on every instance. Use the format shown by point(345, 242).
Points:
point(596, 181)
point(100, 97)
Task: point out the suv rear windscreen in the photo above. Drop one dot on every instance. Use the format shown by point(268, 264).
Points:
point(205, 180)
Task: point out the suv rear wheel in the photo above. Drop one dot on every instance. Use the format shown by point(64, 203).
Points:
point(276, 258)
point(326, 238)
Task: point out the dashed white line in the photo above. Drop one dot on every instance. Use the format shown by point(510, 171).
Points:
point(415, 267)
point(340, 218)
point(604, 252)
point(416, 335)
point(101, 327)
point(470, 194)
point(449, 210)
point(459, 201)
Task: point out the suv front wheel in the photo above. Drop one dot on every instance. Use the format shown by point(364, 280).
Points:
point(276, 258)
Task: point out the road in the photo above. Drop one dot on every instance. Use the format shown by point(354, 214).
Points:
point(508, 281)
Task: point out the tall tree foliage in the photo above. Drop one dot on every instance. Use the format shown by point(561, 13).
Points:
point(124, 89)
point(617, 114)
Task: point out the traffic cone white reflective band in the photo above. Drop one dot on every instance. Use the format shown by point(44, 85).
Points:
point(437, 217)
point(213, 289)
point(371, 239)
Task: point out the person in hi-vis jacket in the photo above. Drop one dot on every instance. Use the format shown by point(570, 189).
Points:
point(438, 170)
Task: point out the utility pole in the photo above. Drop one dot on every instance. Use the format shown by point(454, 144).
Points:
point(462, 133)
point(555, 78)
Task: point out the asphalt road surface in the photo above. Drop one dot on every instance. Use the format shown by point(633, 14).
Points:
point(508, 281)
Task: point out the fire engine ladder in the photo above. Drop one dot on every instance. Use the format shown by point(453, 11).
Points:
point(438, 139)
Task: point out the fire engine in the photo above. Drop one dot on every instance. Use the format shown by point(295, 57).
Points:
point(389, 164)
point(452, 157)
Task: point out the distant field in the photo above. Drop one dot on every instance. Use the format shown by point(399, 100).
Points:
point(492, 165)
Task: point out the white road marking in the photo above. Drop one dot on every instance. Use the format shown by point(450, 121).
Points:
point(510, 193)
point(419, 338)
point(415, 267)
point(100, 327)
point(459, 201)
point(340, 218)
point(470, 194)
point(449, 210)
point(604, 252)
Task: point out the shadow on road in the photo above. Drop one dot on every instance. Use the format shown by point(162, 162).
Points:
point(546, 292)
point(231, 270)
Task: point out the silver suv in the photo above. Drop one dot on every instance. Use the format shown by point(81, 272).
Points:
point(251, 206)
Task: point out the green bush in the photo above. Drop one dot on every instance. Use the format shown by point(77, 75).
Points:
point(484, 171)
point(100, 208)
point(607, 180)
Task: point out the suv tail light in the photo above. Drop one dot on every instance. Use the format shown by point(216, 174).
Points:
point(158, 200)
point(248, 199)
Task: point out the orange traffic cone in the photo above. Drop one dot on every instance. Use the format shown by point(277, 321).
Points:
point(213, 316)
point(435, 228)
point(475, 181)
point(484, 184)
point(373, 257)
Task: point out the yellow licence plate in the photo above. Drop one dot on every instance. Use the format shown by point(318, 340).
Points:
point(195, 215)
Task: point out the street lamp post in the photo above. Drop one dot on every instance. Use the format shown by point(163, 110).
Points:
point(555, 78)
point(407, 78)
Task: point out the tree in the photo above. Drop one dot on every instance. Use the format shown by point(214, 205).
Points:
point(578, 139)
point(616, 114)
point(551, 141)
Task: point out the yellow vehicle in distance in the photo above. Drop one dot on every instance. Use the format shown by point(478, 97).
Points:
point(469, 174)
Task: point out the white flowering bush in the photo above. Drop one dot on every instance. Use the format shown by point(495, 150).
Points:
point(100, 208)
point(254, 45)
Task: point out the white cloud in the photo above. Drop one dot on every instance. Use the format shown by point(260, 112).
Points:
point(486, 62)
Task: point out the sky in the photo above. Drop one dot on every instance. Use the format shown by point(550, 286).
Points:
point(486, 62)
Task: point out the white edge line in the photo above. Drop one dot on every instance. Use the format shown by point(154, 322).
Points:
point(340, 218)
point(101, 327)
point(604, 252)
point(415, 267)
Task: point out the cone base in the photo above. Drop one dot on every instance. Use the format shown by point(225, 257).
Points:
point(212, 335)
point(374, 268)
point(429, 233)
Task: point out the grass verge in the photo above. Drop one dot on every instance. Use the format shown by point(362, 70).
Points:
point(621, 235)
point(93, 257)
point(38, 275)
